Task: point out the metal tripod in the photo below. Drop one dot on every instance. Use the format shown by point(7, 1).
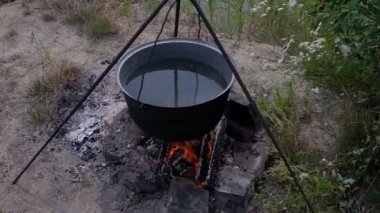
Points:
point(256, 115)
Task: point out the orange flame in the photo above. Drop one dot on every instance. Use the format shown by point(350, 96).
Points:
point(190, 154)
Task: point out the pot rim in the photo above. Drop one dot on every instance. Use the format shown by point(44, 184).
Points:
point(165, 41)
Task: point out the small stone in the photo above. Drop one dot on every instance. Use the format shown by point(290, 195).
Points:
point(118, 130)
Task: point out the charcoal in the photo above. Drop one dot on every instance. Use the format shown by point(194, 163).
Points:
point(87, 153)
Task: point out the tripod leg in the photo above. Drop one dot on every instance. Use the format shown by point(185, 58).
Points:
point(178, 11)
point(88, 93)
point(253, 107)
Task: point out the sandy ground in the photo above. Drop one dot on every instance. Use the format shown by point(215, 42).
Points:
point(59, 181)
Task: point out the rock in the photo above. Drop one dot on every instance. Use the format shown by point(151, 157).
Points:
point(251, 158)
point(232, 189)
point(185, 196)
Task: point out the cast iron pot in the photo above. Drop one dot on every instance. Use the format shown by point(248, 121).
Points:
point(176, 123)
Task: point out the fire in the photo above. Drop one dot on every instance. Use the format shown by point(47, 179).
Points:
point(189, 151)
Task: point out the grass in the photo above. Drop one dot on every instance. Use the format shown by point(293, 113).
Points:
point(37, 113)
point(46, 90)
point(99, 28)
point(344, 183)
point(125, 6)
point(149, 6)
point(92, 21)
point(93, 18)
point(55, 79)
point(266, 20)
point(285, 117)
point(276, 190)
point(38, 88)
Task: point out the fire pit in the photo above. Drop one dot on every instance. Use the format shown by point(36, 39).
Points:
point(215, 169)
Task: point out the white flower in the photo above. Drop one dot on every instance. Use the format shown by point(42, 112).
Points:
point(304, 44)
point(263, 15)
point(303, 176)
point(280, 9)
point(345, 50)
point(254, 9)
point(348, 182)
point(302, 55)
point(314, 46)
point(292, 4)
point(337, 40)
point(300, 6)
point(268, 9)
point(317, 90)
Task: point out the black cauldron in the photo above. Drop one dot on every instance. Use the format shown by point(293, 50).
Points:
point(175, 123)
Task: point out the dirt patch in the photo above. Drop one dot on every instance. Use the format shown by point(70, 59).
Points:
point(60, 180)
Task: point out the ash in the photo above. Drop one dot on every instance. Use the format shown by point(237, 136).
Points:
point(86, 139)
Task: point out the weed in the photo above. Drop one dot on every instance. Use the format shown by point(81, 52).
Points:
point(283, 114)
point(322, 189)
point(60, 75)
point(82, 15)
point(125, 7)
point(92, 21)
point(211, 4)
point(237, 15)
point(38, 88)
point(37, 113)
point(149, 6)
point(57, 76)
point(99, 28)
